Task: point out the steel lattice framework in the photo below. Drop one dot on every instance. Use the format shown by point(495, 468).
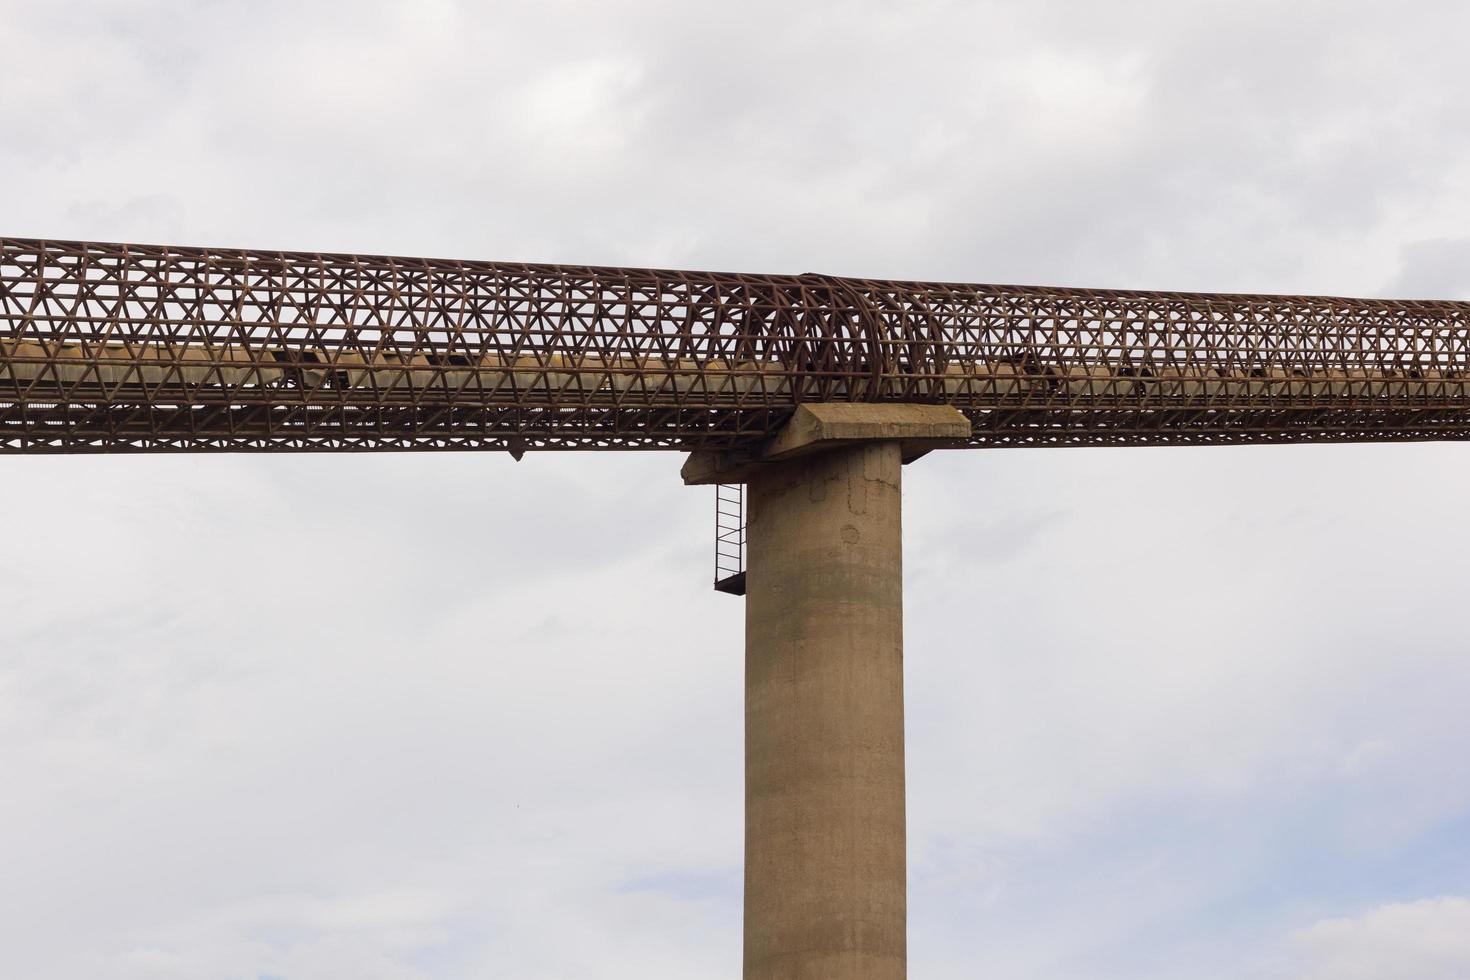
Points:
point(129, 348)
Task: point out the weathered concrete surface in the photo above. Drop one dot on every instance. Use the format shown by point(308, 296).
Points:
point(825, 425)
point(824, 795)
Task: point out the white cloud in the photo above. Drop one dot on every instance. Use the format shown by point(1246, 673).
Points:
point(1424, 940)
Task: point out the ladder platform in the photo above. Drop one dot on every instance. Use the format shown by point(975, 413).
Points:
point(731, 585)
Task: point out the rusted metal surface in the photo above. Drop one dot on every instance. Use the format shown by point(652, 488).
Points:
point(128, 348)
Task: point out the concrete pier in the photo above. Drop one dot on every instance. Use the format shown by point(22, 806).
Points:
point(825, 895)
point(824, 776)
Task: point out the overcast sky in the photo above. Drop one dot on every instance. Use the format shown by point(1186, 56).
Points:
point(1174, 714)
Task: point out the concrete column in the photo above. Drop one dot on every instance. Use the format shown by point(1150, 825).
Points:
point(824, 777)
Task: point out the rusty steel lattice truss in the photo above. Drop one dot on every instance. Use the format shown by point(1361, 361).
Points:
point(123, 348)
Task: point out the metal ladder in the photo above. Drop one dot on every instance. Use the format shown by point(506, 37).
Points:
point(730, 538)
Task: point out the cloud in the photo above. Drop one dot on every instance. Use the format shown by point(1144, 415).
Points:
point(1434, 269)
point(1427, 939)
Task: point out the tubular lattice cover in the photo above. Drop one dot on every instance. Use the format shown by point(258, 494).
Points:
point(120, 348)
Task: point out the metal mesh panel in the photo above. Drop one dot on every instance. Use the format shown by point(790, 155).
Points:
point(119, 348)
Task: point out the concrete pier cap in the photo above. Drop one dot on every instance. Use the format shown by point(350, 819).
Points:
point(820, 426)
point(825, 847)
